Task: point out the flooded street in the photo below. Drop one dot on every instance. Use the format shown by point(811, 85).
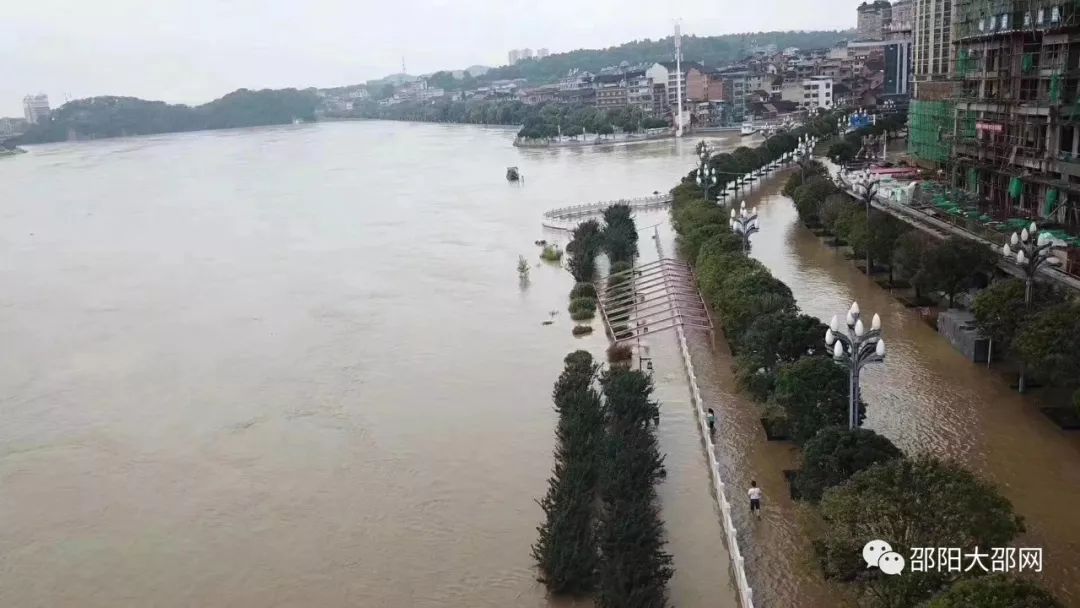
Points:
point(294, 366)
point(925, 397)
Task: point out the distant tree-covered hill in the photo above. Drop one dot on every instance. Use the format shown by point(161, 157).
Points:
point(710, 50)
point(100, 117)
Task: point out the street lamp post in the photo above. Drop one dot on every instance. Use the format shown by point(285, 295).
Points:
point(1030, 250)
point(707, 175)
point(744, 224)
point(706, 179)
point(857, 347)
point(865, 188)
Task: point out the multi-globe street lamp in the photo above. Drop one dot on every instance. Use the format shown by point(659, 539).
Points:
point(744, 223)
point(856, 346)
point(706, 179)
point(865, 187)
point(1029, 250)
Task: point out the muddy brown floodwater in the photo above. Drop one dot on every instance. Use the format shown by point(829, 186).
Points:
point(294, 366)
point(925, 397)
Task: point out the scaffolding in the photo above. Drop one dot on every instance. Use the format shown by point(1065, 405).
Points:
point(1015, 133)
point(930, 123)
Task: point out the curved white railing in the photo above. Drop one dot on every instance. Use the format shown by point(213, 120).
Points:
point(563, 213)
point(738, 562)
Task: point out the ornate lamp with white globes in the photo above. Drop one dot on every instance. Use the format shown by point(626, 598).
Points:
point(857, 346)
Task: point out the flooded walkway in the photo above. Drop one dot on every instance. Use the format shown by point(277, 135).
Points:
point(926, 398)
point(691, 519)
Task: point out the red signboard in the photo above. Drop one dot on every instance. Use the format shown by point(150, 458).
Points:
point(989, 127)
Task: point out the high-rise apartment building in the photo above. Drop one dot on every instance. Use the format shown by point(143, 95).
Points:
point(872, 19)
point(36, 108)
point(930, 115)
point(1015, 140)
point(933, 39)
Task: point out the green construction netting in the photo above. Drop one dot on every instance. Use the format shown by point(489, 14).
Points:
point(964, 62)
point(965, 122)
point(973, 180)
point(1055, 88)
point(1051, 201)
point(1028, 62)
point(1016, 187)
point(927, 122)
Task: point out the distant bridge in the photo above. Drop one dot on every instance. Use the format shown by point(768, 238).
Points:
point(566, 218)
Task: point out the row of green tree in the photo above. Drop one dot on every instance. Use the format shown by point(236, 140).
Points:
point(928, 264)
point(1040, 335)
point(861, 483)
point(617, 238)
point(844, 148)
point(101, 117)
point(730, 166)
point(602, 531)
point(479, 112)
point(1044, 336)
point(540, 121)
point(573, 120)
point(712, 50)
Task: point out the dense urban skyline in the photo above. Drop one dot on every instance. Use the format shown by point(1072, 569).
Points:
point(195, 51)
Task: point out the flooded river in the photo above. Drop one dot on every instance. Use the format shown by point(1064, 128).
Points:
point(925, 397)
point(294, 367)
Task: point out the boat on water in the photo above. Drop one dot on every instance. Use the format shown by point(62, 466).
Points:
point(748, 128)
point(512, 174)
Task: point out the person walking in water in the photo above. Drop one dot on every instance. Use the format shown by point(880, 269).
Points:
point(755, 498)
point(711, 419)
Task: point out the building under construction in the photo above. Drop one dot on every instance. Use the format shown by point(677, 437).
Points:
point(1010, 134)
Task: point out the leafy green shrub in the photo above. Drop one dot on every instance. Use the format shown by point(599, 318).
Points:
point(619, 353)
point(581, 330)
point(1050, 341)
point(923, 502)
point(617, 267)
point(584, 303)
point(551, 253)
point(583, 290)
point(582, 315)
point(836, 453)
point(995, 591)
point(814, 393)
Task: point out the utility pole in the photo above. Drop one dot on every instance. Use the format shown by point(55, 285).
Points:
point(678, 81)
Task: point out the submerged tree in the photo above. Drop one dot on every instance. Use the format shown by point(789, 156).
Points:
point(633, 568)
point(923, 502)
point(995, 591)
point(814, 392)
point(565, 549)
point(836, 453)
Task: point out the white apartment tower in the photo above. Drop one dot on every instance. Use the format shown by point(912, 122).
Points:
point(36, 108)
point(932, 40)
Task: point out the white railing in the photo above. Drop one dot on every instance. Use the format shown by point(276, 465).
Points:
point(738, 562)
point(565, 213)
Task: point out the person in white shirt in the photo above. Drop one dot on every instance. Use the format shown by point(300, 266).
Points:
point(755, 498)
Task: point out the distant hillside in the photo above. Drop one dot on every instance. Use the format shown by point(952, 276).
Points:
point(711, 50)
point(100, 117)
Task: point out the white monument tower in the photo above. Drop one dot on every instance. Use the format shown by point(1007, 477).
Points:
point(678, 82)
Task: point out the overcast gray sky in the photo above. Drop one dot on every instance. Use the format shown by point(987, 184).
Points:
point(193, 51)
